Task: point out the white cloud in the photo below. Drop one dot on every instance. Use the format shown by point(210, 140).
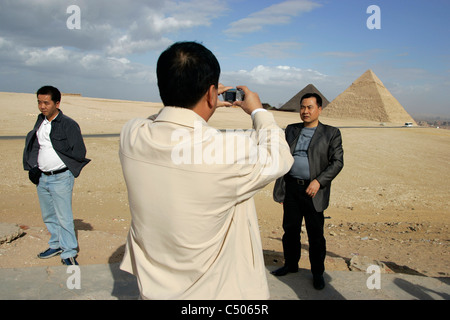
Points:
point(96, 59)
point(277, 84)
point(273, 50)
point(58, 60)
point(119, 27)
point(47, 57)
point(342, 54)
point(125, 45)
point(276, 76)
point(277, 14)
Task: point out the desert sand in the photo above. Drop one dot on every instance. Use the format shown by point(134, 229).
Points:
point(390, 203)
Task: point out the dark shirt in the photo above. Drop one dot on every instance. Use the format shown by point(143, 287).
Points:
point(300, 168)
point(66, 139)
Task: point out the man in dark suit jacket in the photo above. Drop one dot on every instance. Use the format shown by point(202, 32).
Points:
point(305, 189)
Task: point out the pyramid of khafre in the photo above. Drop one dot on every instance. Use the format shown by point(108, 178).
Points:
point(294, 104)
point(367, 99)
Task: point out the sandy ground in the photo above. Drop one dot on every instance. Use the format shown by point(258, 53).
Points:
point(390, 202)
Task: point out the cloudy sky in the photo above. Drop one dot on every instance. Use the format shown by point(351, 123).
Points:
point(274, 47)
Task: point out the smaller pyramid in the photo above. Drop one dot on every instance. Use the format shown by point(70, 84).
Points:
point(368, 99)
point(293, 105)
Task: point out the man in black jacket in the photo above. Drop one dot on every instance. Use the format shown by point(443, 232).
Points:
point(54, 155)
point(305, 189)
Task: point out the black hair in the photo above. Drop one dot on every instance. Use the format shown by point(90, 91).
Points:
point(53, 92)
point(185, 72)
point(312, 95)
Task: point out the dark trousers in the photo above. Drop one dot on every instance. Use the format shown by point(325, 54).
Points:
point(298, 205)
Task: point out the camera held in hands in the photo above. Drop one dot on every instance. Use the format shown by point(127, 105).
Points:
point(233, 95)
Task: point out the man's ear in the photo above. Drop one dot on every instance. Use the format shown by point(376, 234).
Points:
point(211, 96)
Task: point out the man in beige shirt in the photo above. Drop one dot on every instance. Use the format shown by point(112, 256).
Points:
point(194, 232)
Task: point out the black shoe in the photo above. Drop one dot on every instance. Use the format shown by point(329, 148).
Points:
point(69, 261)
point(284, 270)
point(318, 282)
point(49, 253)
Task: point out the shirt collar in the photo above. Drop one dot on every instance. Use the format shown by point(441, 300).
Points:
point(183, 116)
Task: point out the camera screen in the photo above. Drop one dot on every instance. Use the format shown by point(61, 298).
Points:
point(230, 96)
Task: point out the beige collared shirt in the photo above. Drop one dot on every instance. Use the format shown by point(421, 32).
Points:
point(194, 232)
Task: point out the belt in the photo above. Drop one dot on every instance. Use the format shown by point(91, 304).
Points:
point(50, 173)
point(300, 182)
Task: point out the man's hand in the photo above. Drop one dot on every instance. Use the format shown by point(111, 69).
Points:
point(251, 101)
point(312, 189)
point(222, 89)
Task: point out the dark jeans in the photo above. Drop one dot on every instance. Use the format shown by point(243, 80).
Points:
point(298, 205)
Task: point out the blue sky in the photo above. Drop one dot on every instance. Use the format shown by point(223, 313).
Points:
point(274, 47)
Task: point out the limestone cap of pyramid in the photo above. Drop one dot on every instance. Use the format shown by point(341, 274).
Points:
point(368, 77)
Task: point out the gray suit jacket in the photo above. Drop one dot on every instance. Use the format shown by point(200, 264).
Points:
point(326, 160)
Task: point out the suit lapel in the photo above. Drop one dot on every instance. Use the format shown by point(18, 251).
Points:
point(293, 137)
point(295, 134)
point(317, 134)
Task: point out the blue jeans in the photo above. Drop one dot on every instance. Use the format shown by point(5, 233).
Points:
point(55, 199)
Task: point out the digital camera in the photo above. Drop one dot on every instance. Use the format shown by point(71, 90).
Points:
point(233, 95)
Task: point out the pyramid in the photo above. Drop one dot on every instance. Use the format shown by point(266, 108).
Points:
point(293, 105)
point(368, 99)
